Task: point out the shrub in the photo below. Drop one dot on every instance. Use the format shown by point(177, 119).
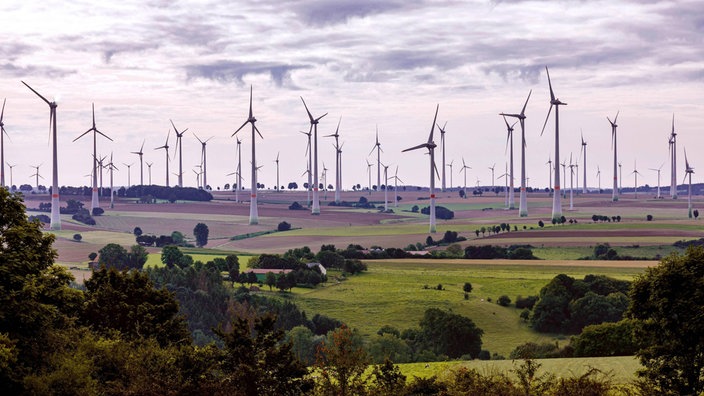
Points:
point(283, 226)
point(137, 231)
point(649, 217)
point(77, 237)
point(97, 211)
point(414, 209)
point(504, 301)
point(295, 206)
point(527, 302)
point(83, 216)
point(92, 256)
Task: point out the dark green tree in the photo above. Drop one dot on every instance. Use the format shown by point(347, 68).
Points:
point(341, 362)
point(450, 334)
point(171, 255)
point(467, 288)
point(256, 362)
point(270, 279)
point(113, 255)
point(201, 233)
point(129, 303)
point(667, 303)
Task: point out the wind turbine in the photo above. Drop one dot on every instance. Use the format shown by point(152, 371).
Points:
point(111, 167)
point(203, 159)
point(239, 170)
point(492, 176)
point(505, 176)
point(338, 161)
point(314, 127)
point(673, 151)
point(598, 175)
point(369, 172)
point(55, 214)
point(620, 176)
point(386, 188)
point(430, 145)
point(166, 150)
point(564, 176)
point(141, 163)
point(549, 164)
point(450, 166)
point(556, 202)
point(616, 189)
point(277, 173)
point(635, 173)
point(149, 169)
point(129, 166)
point(11, 166)
point(309, 154)
point(464, 169)
point(396, 180)
point(658, 171)
point(523, 201)
point(509, 143)
point(37, 175)
point(2, 145)
point(179, 144)
point(101, 167)
point(95, 201)
point(571, 185)
point(324, 182)
point(688, 172)
point(442, 143)
point(253, 212)
point(584, 168)
point(377, 147)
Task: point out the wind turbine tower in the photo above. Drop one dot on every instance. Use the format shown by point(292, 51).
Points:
point(635, 173)
point(253, 210)
point(523, 201)
point(509, 143)
point(37, 175)
point(179, 144)
point(149, 169)
point(614, 195)
point(430, 145)
point(688, 172)
point(55, 214)
point(141, 163)
point(204, 159)
point(464, 169)
point(278, 186)
point(338, 161)
point(314, 127)
point(111, 167)
point(658, 171)
point(673, 143)
point(95, 201)
point(556, 202)
point(442, 142)
point(377, 147)
point(584, 167)
point(2, 146)
point(166, 150)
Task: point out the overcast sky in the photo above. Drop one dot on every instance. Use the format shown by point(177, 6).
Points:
point(375, 64)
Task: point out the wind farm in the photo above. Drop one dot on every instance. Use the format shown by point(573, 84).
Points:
point(463, 248)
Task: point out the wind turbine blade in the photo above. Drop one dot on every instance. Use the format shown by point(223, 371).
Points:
point(415, 147)
point(432, 128)
point(83, 134)
point(523, 111)
point(37, 93)
point(310, 116)
point(238, 129)
point(104, 135)
point(552, 95)
point(250, 102)
point(616, 118)
point(546, 120)
point(257, 129)
point(2, 114)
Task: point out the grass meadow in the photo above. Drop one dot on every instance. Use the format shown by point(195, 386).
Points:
point(397, 293)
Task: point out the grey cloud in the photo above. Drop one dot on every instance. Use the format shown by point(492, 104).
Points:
point(23, 71)
point(235, 71)
point(324, 12)
point(11, 51)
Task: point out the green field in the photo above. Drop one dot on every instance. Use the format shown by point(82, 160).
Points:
point(393, 292)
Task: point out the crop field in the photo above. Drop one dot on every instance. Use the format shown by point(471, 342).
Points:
point(397, 293)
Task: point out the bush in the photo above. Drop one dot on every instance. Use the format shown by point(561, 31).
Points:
point(414, 209)
point(504, 301)
point(649, 217)
point(283, 226)
point(295, 206)
point(77, 237)
point(42, 218)
point(137, 231)
point(97, 211)
point(441, 212)
point(82, 215)
point(527, 302)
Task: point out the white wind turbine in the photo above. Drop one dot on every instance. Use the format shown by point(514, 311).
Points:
point(11, 166)
point(278, 186)
point(505, 176)
point(464, 169)
point(111, 168)
point(166, 150)
point(492, 177)
point(430, 145)
point(616, 189)
point(523, 200)
point(101, 167)
point(598, 175)
point(564, 177)
point(338, 161)
point(584, 169)
point(450, 166)
point(238, 171)
point(377, 147)
point(386, 188)
point(2, 146)
point(149, 170)
point(571, 185)
point(37, 175)
point(95, 201)
point(509, 143)
point(129, 166)
point(141, 163)
point(688, 171)
point(55, 214)
point(620, 177)
point(549, 164)
point(396, 180)
point(658, 171)
point(556, 202)
point(442, 143)
point(179, 145)
point(635, 173)
point(253, 210)
point(314, 127)
point(369, 172)
point(673, 158)
point(204, 160)
point(309, 166)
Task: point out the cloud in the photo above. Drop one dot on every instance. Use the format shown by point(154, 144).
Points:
point(324, 12)
point(226, 71)
point(24, 71)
